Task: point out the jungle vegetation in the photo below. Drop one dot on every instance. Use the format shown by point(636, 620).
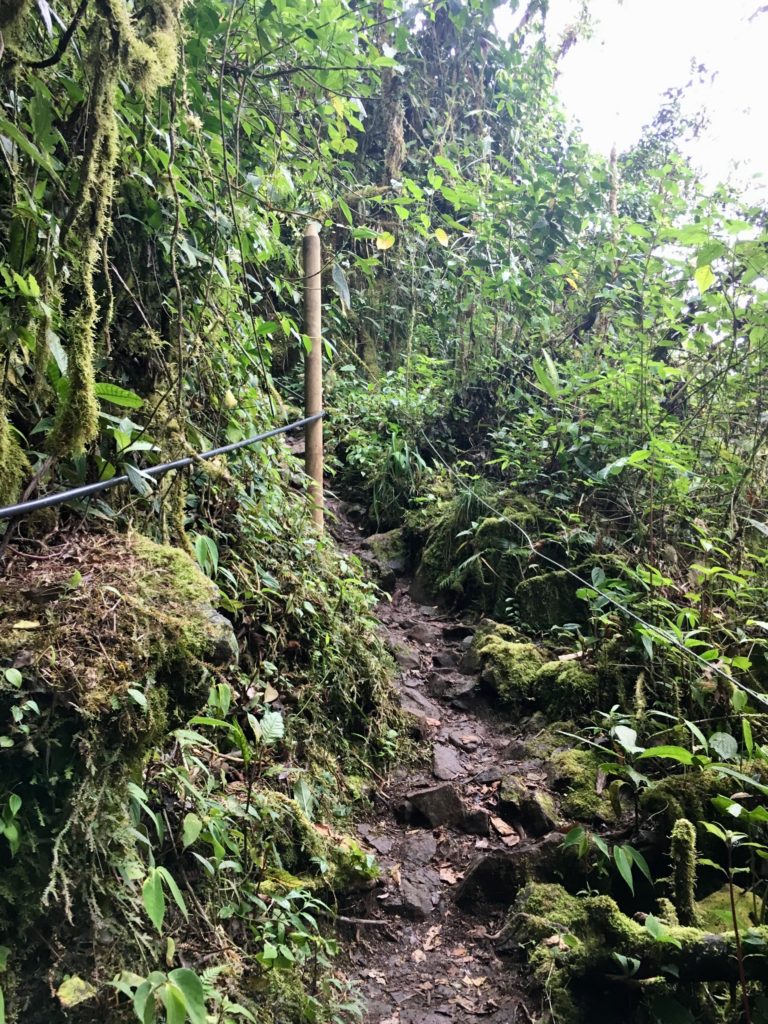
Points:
point(548, 371)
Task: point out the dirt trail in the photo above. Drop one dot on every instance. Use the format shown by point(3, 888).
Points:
point(424, 953)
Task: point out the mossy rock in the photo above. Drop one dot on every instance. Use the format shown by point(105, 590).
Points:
point(565, 688)
point(389, 549)
point(549, 599)
point(713, 913)
point(574, 773)
point(531, 810)
point(681, 796)
point(510, 669)
point(521, 677)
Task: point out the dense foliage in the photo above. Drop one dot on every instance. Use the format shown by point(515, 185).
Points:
point(548, 370)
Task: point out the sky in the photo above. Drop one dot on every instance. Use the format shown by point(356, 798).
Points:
point(612, 83)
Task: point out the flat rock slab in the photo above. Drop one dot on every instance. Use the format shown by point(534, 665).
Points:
point(380, 842)
point(419, 892)
point(421, 633)
point(406, 657)
point(446, 764)
point(440, 805)
point(418, 848)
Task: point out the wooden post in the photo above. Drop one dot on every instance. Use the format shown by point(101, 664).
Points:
point(313, 370)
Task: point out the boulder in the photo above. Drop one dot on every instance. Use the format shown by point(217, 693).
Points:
point(530, 810)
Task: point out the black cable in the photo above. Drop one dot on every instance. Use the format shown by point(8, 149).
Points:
point(12, 511)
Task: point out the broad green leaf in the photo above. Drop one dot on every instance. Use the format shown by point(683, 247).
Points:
point(624, 864)
point(170, 881)
point(154, 898)
point(192, 988)
point(627, 738)
point(746, 730)
point(342, 287)
point(174, 1003)
point(14, 677)
point(10, 130)
point(117, 395)
point(304, 797)
point(272, 727)
point(191, 829)
point(640, 860)
point(137, 696)
point(679, 754)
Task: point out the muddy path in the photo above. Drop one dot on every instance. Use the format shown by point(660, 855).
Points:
point(421, 944)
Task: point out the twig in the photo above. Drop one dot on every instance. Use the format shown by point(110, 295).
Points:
point(58, 53)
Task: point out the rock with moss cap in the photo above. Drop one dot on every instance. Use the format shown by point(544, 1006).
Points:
point(509, 668)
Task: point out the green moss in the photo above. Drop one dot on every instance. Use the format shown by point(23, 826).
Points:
point(565, 689)
point(14, 464)
point(680, 796)
point(389, 547)
point(683, 856)
point(549, 599)
point(713, 913)
point(665, 911)
point(574, 773)
point(511, 669)
point(308, 855)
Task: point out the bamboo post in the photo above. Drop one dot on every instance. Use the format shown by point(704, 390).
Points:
point(313, 370)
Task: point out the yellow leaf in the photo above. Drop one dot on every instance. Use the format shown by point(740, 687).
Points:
point(74, 990)
point(338, 105)
point(572, 283)
point(26, 624)
point(385, 240)
point(441, 236)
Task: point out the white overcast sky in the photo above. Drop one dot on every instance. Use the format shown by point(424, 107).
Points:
point(612, 83)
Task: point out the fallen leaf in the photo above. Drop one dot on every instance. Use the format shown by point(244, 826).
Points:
point(26, 624)
point(481, 844)
point(418, 956)
point(511, 840)
point(555, 940)
point(74, 990)
point(433, 937)
point(473, 982)
point(394, 872)
point(574, 656)
point(502, 827)
point(270, 693)
point(448, 875)
point(465, 1004)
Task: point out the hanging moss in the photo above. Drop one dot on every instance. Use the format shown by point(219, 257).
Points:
point(150, 63)
point(77, 419)
point(149, 60)
point(14, 464)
